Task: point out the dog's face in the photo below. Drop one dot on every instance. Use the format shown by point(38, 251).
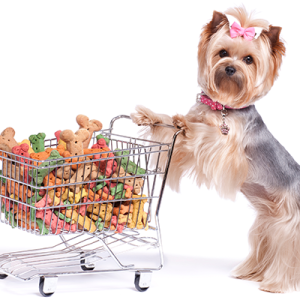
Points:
point(236, 71)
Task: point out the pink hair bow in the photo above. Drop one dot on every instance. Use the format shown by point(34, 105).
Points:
point(237, 30)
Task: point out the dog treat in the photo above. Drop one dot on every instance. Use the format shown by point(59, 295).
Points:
point(85, 172)
point(75, 141)
point(137, 182)
point(19, 190)
point(127, 164)
point(101, 144)
point(84, 221)
point(74, 197)
point(30, 150)
point(90, 125)
point(39, 156)
point(50, 180)
point(139, 217)
point(80, 202)
point(21, 150)
point(37, 141)
point(123, 209)
point(13, 171)
point(7, 141)
point(60, 142)
point(92, 151)
point(65, 172)
point(39, 174)
point(22, 216)
point(103, 210)
point(100, 136)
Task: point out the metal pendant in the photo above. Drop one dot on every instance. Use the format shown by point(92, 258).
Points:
point(224, 127)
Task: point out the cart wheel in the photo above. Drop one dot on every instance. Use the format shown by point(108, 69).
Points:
point(141, 286)
point(83, 267)
point(41, 288)
point(3, 276)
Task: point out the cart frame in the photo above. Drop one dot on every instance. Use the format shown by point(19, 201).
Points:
point(75, 249)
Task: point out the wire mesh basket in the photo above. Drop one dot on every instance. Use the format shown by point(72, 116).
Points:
point(99, 204)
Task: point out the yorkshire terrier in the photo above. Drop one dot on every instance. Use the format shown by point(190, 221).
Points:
point(226, 145)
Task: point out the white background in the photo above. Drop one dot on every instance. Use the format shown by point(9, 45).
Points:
point(101, 58)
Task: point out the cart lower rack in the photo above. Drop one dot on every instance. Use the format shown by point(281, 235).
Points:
point(101, 204)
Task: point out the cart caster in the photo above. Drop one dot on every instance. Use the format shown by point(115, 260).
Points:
point(142, 281)
point(3, 276)
point(47, 286)
point(83, 267)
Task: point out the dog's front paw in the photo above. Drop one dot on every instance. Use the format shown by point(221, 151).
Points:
point(145, 116)
point(180, 122)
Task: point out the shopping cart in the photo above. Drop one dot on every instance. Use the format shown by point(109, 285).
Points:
point(97, 228)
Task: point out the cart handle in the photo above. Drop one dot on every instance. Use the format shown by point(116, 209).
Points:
point(128, 117)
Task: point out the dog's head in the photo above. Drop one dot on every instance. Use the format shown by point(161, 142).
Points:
point(236, 71)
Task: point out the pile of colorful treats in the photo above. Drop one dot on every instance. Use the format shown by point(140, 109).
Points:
point(55, 202)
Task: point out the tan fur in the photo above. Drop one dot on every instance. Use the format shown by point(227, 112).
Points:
point(274, 239)
point(220, 161)
point(250, 82)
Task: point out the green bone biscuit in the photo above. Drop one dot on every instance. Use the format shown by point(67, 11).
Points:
point(100, 185)
point(128, 165)
point(117, 189)
point(120, 195)
point(99, 224)
point(37, 142)
point(2, 178)
point(42, 227)
point(38, 175)
point(63, 217)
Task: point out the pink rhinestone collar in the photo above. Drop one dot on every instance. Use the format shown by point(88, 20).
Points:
point(214, 105)
point(224, 128)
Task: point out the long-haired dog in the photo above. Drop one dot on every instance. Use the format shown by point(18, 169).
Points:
point(225, 144)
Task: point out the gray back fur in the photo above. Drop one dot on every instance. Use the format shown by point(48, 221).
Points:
point(270, 164)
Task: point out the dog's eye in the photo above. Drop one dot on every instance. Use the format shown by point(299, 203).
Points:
point(223, 53)
point(248, 60)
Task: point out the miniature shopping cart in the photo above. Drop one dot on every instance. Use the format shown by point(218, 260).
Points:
point(106, 218)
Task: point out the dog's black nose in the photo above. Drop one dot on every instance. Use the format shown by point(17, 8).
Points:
point(230, 71)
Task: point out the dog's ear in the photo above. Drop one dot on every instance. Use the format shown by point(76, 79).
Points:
point(277, 48)
point(276, 44)
point(218, 20)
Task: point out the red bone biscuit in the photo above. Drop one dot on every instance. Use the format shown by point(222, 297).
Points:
point(75, 141)
point(90, 125)
point(57, 135)
point(21, 150)
point(101, 144)
point(108, 166)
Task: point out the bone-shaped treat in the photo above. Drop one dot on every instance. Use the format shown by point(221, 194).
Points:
point(90, 125)
point(7, 141)
point(74, 141)
point(83, 174)
point(37, 141)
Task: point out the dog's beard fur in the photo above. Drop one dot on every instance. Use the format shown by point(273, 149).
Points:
point(222, 161)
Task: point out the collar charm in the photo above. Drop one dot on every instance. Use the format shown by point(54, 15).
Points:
point(224, 127)
point(216, 106)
